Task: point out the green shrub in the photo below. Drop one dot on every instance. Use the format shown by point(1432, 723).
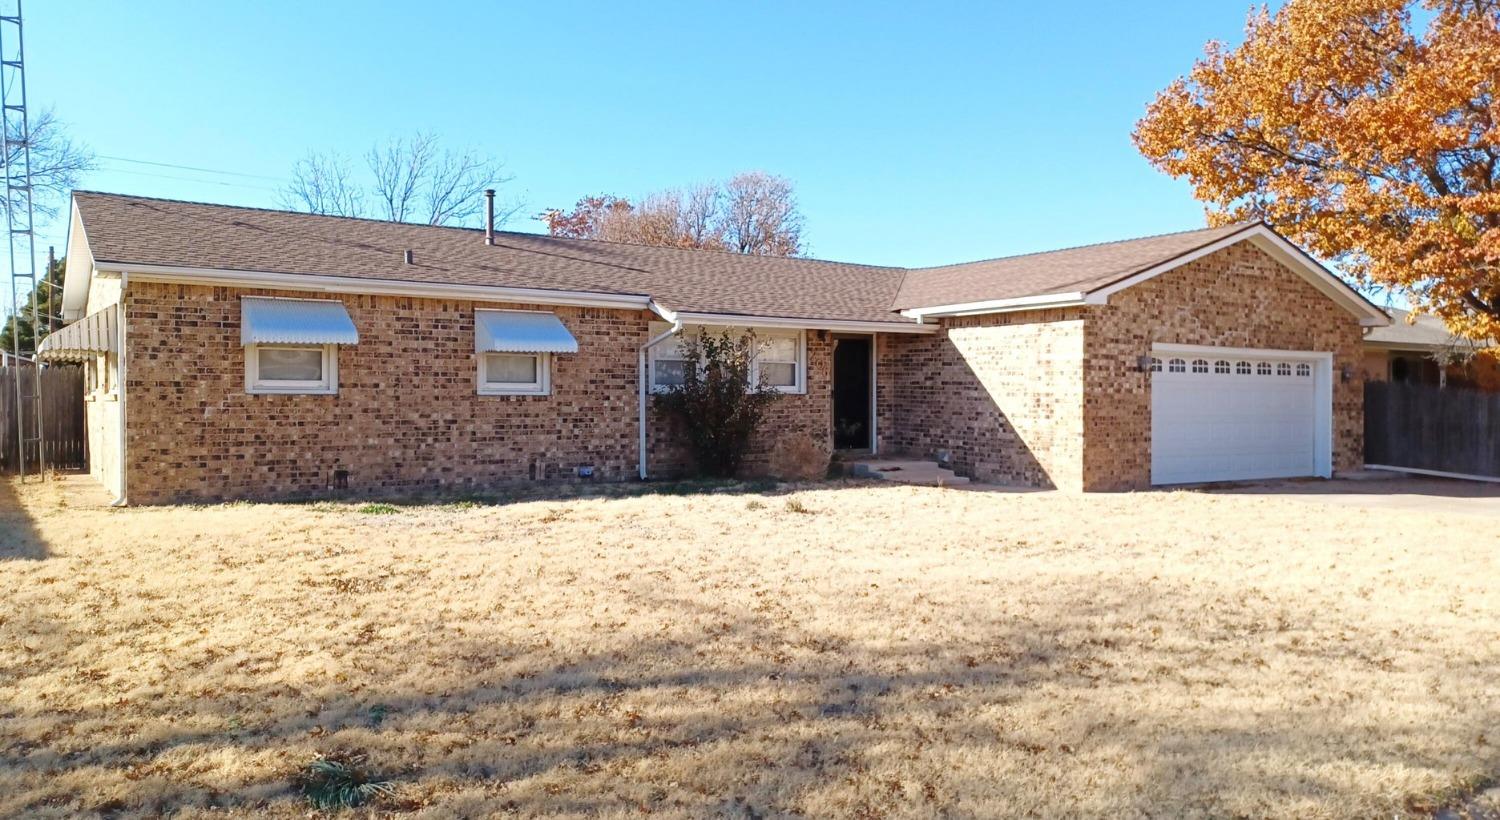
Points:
point(379, 509)
point(718, 404)
point(339, 781)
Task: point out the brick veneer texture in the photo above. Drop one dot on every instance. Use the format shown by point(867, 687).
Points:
point(407, 415)
point(1053, 398)
point(1001, 393)
point(1236, 297)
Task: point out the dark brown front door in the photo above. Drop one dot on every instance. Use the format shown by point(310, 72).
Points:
point(851, 394)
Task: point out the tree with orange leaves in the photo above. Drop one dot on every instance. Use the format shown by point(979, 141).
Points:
point(1369, 137)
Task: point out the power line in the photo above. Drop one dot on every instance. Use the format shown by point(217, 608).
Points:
point(219, 182)
point(190, 168)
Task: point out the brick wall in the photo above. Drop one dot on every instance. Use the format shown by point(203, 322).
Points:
point(1002, 393)
point(407, 416)
point(800, 418)
point(1237, 297)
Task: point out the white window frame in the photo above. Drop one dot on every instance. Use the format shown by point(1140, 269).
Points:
point(541, 387)
point(327, 386)
point(659, 352)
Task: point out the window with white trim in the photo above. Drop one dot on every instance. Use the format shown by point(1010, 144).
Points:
point(780, 357)
point(291, 368)
point(778, 360)
point(515, 374)
point(669, 363)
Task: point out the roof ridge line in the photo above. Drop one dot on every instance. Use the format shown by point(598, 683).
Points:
point(498, 232)
point(1244, 223)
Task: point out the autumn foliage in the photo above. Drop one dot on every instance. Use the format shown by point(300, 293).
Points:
point(752, 213)
point(1366, 130)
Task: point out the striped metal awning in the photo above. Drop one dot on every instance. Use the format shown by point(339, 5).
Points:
point(266, 320)
point(83, 340)
point(512, 331)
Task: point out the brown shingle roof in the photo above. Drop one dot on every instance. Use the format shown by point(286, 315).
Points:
point(140, 230)
point(145, 231)
point(1420, 331)
point(1073, 270)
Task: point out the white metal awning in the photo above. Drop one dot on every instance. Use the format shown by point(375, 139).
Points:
point(84, 339)
point(510, 331)
point(265, 320)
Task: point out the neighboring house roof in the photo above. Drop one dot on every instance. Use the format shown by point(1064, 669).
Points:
point(1409, 331)
point(139, 234)
point(1081, 269)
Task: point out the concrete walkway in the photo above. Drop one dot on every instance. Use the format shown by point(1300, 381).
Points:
point(1387, 492)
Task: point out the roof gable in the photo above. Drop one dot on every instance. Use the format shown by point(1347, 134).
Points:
point(227, 244)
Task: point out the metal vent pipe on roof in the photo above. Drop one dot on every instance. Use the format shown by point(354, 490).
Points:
point(407, 257)
point(489, 216)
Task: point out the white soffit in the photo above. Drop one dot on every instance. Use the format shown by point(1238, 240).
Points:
point(295, 321)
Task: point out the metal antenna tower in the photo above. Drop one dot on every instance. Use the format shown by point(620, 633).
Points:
point(15, 142)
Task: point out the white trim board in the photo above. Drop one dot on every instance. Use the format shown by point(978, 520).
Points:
point(1275, 246)
point(1048, 300)
point(836, 325)
point(1267, 240)
point(380, 287)
point(1437, 473)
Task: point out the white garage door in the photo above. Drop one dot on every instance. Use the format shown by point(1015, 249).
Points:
point(1218, 415)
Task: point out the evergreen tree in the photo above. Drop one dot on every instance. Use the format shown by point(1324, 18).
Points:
point(49, 303)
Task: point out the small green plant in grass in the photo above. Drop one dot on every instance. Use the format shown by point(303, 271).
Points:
point(755, 504)
point(340, 781)
point(379, 509)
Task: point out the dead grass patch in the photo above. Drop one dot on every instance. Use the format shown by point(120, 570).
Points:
point(903, 652)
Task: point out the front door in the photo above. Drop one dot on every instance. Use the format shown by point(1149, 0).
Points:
point(851, 393)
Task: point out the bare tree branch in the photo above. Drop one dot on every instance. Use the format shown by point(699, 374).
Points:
point(57, 162)
point(400, 168)
point(411, 179)
point(323, 184)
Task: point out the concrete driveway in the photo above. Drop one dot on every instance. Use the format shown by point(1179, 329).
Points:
point(1381, 491)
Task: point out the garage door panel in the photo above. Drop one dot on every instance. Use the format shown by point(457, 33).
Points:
point(1228, 418)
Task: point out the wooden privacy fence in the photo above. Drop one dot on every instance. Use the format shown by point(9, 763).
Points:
point(62, 415)
point(1425, 427)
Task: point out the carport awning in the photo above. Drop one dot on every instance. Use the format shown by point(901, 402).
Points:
point(86, 338)
point(265, 320)
point(507, 331)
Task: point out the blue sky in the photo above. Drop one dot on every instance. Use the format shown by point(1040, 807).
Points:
point(913, 135)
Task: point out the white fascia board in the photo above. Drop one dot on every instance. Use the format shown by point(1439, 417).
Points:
point(1046, 300)
point(1277, 248)
point(78, 267)
point(1249, 352)
point(379, 287)
point(737, 320)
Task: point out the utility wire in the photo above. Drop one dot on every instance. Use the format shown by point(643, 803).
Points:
point(190, 168)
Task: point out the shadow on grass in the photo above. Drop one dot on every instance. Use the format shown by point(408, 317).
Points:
point(784, 723)
point(18, 536)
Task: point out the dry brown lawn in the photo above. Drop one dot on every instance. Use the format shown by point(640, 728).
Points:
point(826, 651)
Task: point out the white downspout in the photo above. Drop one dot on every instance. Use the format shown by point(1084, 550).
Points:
point(644, 378)
point(120, 385)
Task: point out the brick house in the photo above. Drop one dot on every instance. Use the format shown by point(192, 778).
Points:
point(246, 353)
